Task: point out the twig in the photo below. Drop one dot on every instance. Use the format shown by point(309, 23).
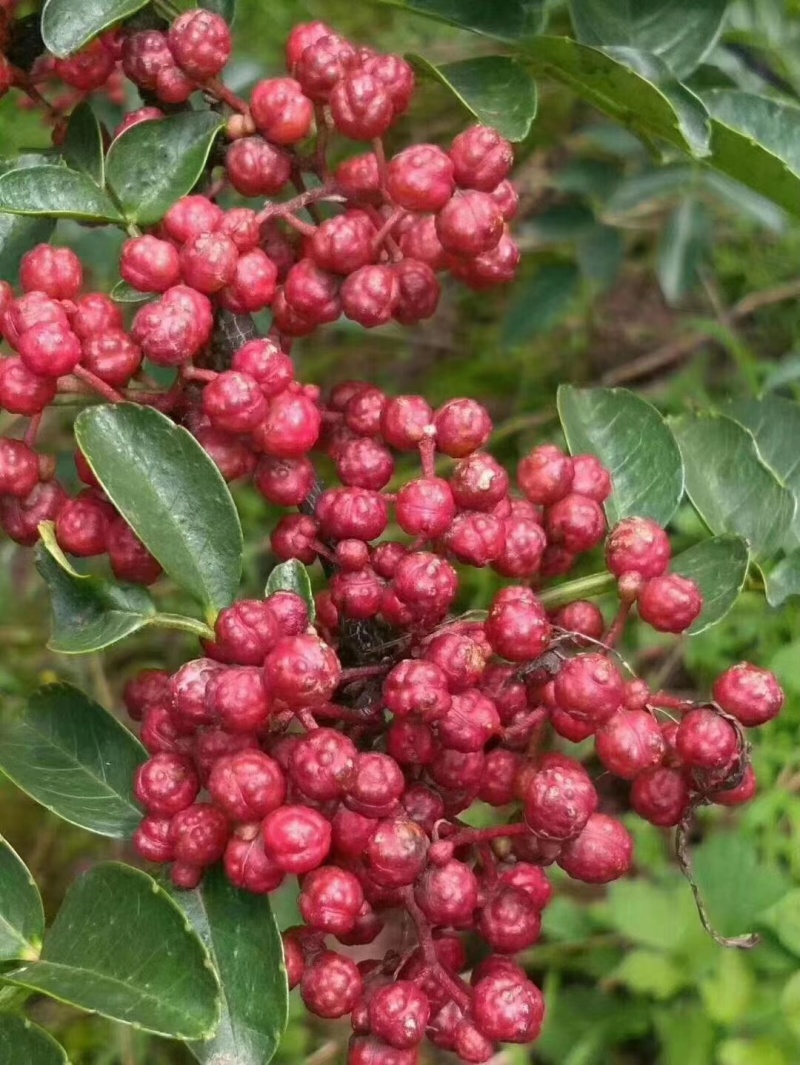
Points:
point(683, 346)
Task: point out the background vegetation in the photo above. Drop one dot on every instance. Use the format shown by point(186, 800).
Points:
point(677, 283)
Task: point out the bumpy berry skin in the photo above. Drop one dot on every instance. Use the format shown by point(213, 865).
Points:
point(297, 838)
point(302, 671)
point(517, 627)
point(399, 1014)
point(661, 796)
point(630, 743)
point(330, 900)
point(247, 866)
point(396, 851)
point(508, 1008)
point(470, 224)
point(558, 798)
point(198, 834)
point(705, 740)
point(55, 271)
point(670, 603)
point(256, 168)
point(600, 854)
point(420, 178)
point(322, 764)
point(361, 107)
point(447, 894)
point(19, 468)
point(331, 985)
point(481, 158)
point(150, 264)
point(638, 545)
point(247, 785)
point(166, 784)
point(590, 687)
point(200, 41)
point(751, 695)
point(280, 110)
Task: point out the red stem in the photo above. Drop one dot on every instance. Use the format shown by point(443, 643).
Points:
point(617, 627)
point(457, 992)
point(32, 431)
point(363, 672)
point(192, 373)
point(472, 836)
point(217, 88)
point(666, 701)
point(94, 382)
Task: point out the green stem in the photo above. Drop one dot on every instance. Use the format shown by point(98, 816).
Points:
point(182, 624)
point(13, 998)
point(581, 588)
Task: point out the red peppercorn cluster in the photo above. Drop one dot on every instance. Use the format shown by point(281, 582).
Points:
point(345, 751)
point(270, 755)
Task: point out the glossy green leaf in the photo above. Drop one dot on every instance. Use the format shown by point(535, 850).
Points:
point(719, 566)
point(242, 938)
point(635, 89)
point(89, 613)
point(510, 20)
point(730, 486)
point(562, 223)
point(226, 8)
point(24, 1043)
point(20, 233)
point(69, 24)
point(782, 581)
point(153, 164)
point(540, 302)
point(633, 441)
point(171, 493)
point(757, 141)
point(681, 32)
point(497, 90)
point(21, 913)
point(683, 245)
point(292, 576)
point(122, 292)
point(56, 192)
point(775, 424)
point(121, 947)
point(83, 144)
point(73, 757)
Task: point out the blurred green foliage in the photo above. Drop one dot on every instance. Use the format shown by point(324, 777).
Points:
point(621, 259)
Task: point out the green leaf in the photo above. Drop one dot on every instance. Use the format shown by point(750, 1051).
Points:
point(681, 32)
point(790, 1003)
point(683, 245)
point(633, 441)
point(74, 758)
point(22, 1041)
point(719, 566)
point(510, 20)
point(20, 233)
point(121, 947)
point(170, 492)
point(83, 145)
point(783, 919)
point(292, 576)
point(601, 253)
point(685, 1034)
point(784, 372)
point(540, 302)
point(650, 973)
point(757, 141)
point(122, 292)
point(782, 582)
point(56, 192)
point(729, 485)
point(562, 223)
point(242, 938)
point(735, 882)
point(641, 194)
point(751, 1052)
point(89, 613)
point(728, 991)
point(21, 913)
point(153, 164)
point(649, 915)
point(69, 24)
point(635, 89)
point(226, 8)
point(747, 202)
point(775, 424)
point(497, 90)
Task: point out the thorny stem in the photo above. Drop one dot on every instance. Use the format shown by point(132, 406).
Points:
point(744, 942)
